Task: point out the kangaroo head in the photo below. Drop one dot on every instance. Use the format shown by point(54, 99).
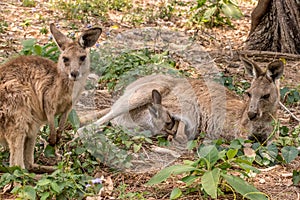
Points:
point(74, 58)
point(262, 97)
point(160, 117)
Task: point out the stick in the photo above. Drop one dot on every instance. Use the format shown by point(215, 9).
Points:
point(285, 108)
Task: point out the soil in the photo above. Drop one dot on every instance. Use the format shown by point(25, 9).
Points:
point(222, 44)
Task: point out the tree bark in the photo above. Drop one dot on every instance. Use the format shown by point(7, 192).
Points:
point(275, 26)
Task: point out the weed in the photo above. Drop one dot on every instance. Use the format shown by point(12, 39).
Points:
point(215, 13)
point(213, 171)
point(290, 96)
point(117, 72)
point(28, 3)
point(3, 26)
point(49, 50)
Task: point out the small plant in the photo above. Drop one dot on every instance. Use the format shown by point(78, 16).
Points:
point(212, 171)
point(3, 26)
point(233, 85)
point(123, 194)
point(117, 72)
point(49, 50)
point(290, 96)
point(216, 12)
point(28, 3)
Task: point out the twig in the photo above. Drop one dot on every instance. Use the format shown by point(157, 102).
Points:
point(287, 56)
point(285, 108)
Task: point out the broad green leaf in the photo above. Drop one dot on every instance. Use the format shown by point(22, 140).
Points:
point(28, 193)
point(296, 177)
point(210, 181)
point(230, 10)
point(49, 151)
point(244, 188)
point(289, 153)
point(209, 13)
point(175, 194)
point(45, 195)
point(210, 153)
point(166, 172)
point(74, 119)
point(38, 50)
point(188, 180)
point(55, 187)
point(231, 153)
point(43, 182)
point(248, 167)
point(28, 43)
point(137, 147)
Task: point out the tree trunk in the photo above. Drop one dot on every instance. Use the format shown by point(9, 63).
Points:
point(275, 26)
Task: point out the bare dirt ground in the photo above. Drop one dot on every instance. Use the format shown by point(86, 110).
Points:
point(220, 42)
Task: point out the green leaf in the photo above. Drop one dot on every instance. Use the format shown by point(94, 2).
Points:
point(210, 181)
point(38, 50)
point(231, 10)
point(166, 172)
point(55, 187)
point(231, 153)
point(29, 193)
point(28, 43)
point(188, 180)
point(244, 188)
point(209, 13)
point(74, 119)
point(289, 153)
point(45, 195)
point(210, 153)
point(296, 177)
point(43, 182)
point(49, 151)
point(175, 194)
point(136, 147)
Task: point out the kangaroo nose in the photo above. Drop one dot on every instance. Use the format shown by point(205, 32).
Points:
point(74, 74)
point(252, 115)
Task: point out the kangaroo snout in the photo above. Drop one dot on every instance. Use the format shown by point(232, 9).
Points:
point(74, 75)
point(252, 115)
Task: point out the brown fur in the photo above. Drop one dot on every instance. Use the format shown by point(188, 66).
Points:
point(33, 90)
point(203, 105)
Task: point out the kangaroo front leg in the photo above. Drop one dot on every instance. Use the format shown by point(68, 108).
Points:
point(62, 125)
point(181, 138)
point(52, 136)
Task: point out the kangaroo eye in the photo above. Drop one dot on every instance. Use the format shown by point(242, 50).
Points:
point(82, 58)
point(265, 96)
point(65, 59)
point(169, 125)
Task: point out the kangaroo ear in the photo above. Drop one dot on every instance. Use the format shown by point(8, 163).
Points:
point(156, 97)
point(275, 70)
point(251, 67)
point(60, 39)
point(89, 37)
point(155, 108)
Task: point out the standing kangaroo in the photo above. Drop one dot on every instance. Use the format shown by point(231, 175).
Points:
point(204, 105)
point(33, 90)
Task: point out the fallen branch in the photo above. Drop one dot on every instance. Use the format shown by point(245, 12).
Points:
point(285, 108)
point(287, 56)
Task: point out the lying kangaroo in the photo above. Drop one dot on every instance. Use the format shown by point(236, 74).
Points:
point(34, 89)
point(205, 105)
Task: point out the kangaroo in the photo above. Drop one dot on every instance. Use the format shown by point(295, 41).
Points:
point(197, 104)
point(34, 89)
